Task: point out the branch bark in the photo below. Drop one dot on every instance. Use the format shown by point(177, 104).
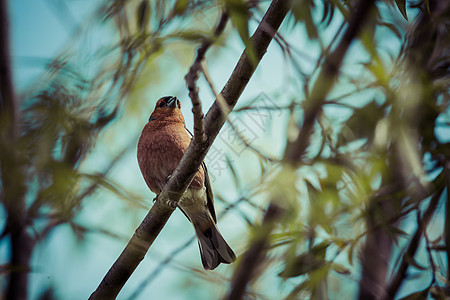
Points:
point(158, 215)
point(12, 174)
point(248, 266)
point(295, 151)
point(397, 279)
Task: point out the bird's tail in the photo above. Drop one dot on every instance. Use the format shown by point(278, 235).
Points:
point(213, 247)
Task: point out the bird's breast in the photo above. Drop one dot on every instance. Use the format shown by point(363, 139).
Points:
point(160, 149)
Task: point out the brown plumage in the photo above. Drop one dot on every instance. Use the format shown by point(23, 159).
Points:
point(161, 146)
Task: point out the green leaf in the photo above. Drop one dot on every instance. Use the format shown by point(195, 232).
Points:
point(180, 7)
point(341, 269)
point(362, 124)
point(307, 262)
point(240, 15)
point(302, 264)
point(320, 250)
point(302, 11)
point(427, 5)
point(401, 4)
point(350, 252)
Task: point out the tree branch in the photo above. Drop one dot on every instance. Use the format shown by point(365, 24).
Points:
point(397, 279)
point(12, 171)
point(295, 151)
point(254, 256)
point(158, 215)
point(192, 77)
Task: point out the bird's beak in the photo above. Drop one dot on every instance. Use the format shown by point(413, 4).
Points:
point(172, 102)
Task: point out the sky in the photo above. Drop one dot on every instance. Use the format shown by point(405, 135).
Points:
point(44, 29)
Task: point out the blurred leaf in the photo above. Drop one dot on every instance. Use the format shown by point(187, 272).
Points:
point(427, 5)
point(440, 292)
point(413, 262)
point(306, 262)
point(350, 251)
point(303, 264)
point(143, 16)
point(8, 268)
point(341, 269)
point(239, 12)
point(367, 33)
point(305, 285)
point(191, 35)
point(395, 233)
point(417, 295)
point(328, 12)
point(401, 4)
point(393, 28)
point(362, 124)
point(283, 189)
point(302, 11)
point(180, 7)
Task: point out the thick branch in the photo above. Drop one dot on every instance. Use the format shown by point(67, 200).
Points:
point(12, 173)
point(397, 279)
point(294, 152)
point(7, 97)
point(248, 267)
point(147, 232)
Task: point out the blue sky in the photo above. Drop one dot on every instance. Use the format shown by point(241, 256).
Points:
point(44, 29)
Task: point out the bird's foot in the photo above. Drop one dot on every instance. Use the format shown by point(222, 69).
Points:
point(172, 204)
point(168, 178)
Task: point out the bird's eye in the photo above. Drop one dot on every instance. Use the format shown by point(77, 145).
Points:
point(161, 104)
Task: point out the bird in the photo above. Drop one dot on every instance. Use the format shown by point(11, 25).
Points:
point(161, 146)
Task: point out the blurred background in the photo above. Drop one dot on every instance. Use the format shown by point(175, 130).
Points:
point(87, 75)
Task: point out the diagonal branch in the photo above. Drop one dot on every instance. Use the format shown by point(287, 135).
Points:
point(12, 170)
point(158, 215)
point(410, 252)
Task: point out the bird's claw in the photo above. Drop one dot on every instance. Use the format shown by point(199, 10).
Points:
point(172, 204)
point(168, 178)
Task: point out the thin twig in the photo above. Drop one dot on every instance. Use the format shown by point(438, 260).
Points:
point(397, 279)
point(192, 77)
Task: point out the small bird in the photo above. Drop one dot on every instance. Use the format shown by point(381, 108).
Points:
point(161, 146)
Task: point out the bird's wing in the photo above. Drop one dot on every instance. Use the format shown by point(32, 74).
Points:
point(209, 192)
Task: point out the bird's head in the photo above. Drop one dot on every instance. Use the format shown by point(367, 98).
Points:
point(167, 109)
